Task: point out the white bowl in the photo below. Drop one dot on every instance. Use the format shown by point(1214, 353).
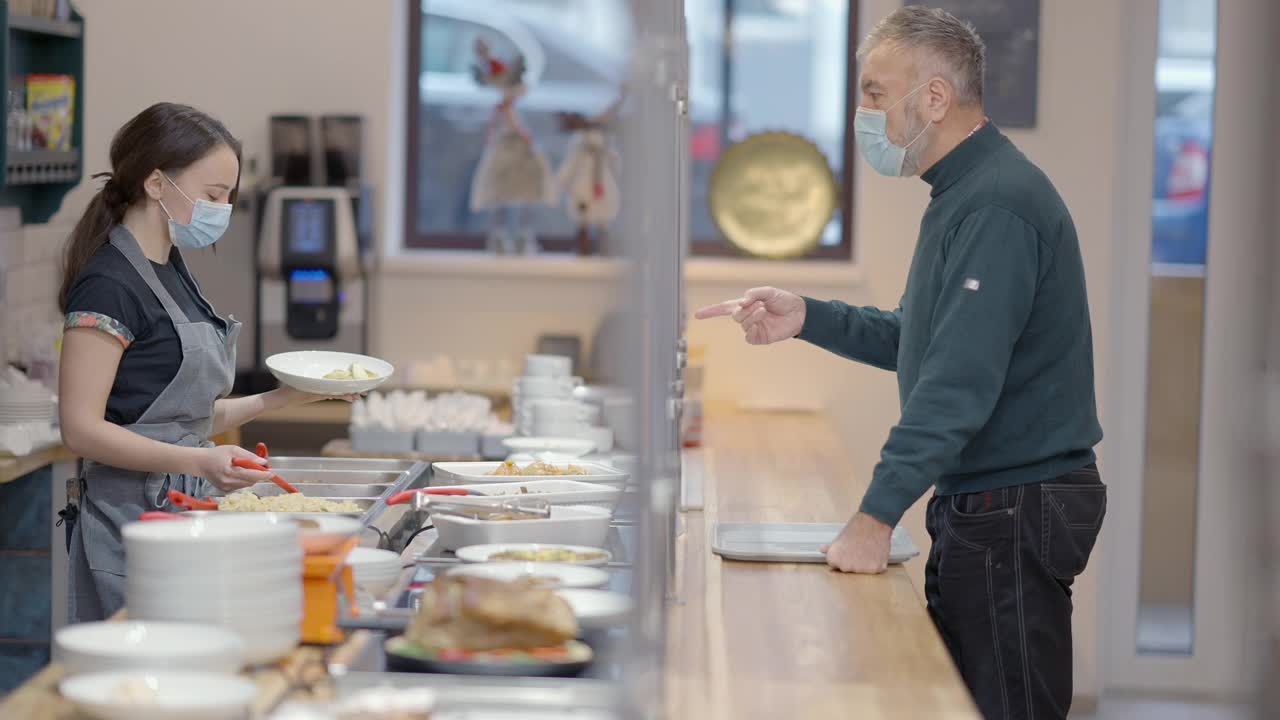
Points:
point(568, 447)
point(482, 553)
point(305, 371)
point(554, 574)
point(597, 609)
point(90, 647)
point(568, 524)
point(185, 695)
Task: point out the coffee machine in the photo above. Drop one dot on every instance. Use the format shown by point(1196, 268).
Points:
point(312, 230)
point(312, 285)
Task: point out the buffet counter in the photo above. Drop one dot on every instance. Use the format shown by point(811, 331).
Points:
point(744, 639)
point(753, 640)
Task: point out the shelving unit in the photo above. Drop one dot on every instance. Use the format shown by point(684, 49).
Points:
point(36, 180)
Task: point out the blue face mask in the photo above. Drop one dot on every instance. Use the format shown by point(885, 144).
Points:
point(209, 220)
point(870, 128)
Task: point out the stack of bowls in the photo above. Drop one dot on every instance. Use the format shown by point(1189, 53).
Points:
point(546, 378)
point(240, 571)
point(374, 571)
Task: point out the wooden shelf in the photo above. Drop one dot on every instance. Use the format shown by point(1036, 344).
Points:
point(37, 167)
point(46, 26)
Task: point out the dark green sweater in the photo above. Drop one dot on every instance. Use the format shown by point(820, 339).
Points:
point(991, 340)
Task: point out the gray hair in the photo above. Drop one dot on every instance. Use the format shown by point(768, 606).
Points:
point(951, 47)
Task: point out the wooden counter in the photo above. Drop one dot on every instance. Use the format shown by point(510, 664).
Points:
point(754, 640)
point(12, 468)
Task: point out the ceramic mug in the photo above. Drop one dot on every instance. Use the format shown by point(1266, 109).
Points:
point(548, 366)
point(531, 386)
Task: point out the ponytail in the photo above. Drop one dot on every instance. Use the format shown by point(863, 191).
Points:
point(92, 231)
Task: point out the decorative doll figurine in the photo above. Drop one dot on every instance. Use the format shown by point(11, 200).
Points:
point(588, 176)
point(513, 173)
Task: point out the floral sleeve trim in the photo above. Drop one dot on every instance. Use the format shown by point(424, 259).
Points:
point(98, 321)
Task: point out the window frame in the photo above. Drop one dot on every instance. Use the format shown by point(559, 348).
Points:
point(719, 247)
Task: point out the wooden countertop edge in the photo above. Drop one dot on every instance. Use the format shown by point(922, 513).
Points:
point(12, 468)
point(301, 673)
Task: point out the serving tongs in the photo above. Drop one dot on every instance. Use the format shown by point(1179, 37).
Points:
point(454, 501)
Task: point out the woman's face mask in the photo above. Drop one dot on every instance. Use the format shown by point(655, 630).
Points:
point(870, 129)
point(209, 220)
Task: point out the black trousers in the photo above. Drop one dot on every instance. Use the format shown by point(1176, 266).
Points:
point(998, 584)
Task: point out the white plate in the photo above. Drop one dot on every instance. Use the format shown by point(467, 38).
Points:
point(482, 553)
point(172, 694)
point(554, 574)
point(464, 473)
point(305, 370)
point(598, 609)
point(561, 447)
point(90, 647)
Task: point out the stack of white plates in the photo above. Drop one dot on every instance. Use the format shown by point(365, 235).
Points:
point(240, 571)
point(26, 402)
point(376, 571)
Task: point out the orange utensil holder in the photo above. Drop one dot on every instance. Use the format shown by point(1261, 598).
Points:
point(323, 577)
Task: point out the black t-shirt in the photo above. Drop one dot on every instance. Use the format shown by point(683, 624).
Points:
point(112, 297)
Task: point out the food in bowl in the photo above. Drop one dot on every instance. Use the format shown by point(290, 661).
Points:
point(535, 469)
point(469, 614)
point(355, 371)
point(560, 555)
point(244, 501)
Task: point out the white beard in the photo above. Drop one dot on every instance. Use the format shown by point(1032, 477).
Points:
point(916, 125)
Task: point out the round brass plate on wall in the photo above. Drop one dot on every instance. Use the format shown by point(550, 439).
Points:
point(772, 194)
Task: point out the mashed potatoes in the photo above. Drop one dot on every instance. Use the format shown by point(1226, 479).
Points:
point(355, 372)
point(288, 502)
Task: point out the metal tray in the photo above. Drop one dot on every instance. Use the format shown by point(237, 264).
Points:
point(390, 465)
point(328, 492)
point(792, 542)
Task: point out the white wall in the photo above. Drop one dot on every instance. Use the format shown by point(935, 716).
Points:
point(249, 59)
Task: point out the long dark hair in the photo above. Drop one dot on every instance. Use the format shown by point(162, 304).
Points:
point(167, 137)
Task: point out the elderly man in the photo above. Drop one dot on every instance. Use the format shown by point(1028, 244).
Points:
point(992, 347)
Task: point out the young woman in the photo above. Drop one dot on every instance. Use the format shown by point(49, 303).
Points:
point(146, 361)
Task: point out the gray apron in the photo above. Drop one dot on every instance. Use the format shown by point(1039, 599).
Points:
point(181, 415)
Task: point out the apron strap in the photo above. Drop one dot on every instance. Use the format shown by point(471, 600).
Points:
point(127, 244)
point(180, 263)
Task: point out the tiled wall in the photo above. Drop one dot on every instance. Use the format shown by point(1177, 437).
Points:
point(30, 262)
point(25, 574)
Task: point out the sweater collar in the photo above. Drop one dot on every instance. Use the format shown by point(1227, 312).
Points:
point(963, 158)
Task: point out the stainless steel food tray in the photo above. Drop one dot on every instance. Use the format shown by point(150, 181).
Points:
point(367, 483)
point(792, 542)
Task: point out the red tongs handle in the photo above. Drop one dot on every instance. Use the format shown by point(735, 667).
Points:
point(182, 499)
point(160, 515)
point(406, 495)
point(248, 464)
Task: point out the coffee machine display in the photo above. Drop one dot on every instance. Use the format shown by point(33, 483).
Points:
point(311, 275)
